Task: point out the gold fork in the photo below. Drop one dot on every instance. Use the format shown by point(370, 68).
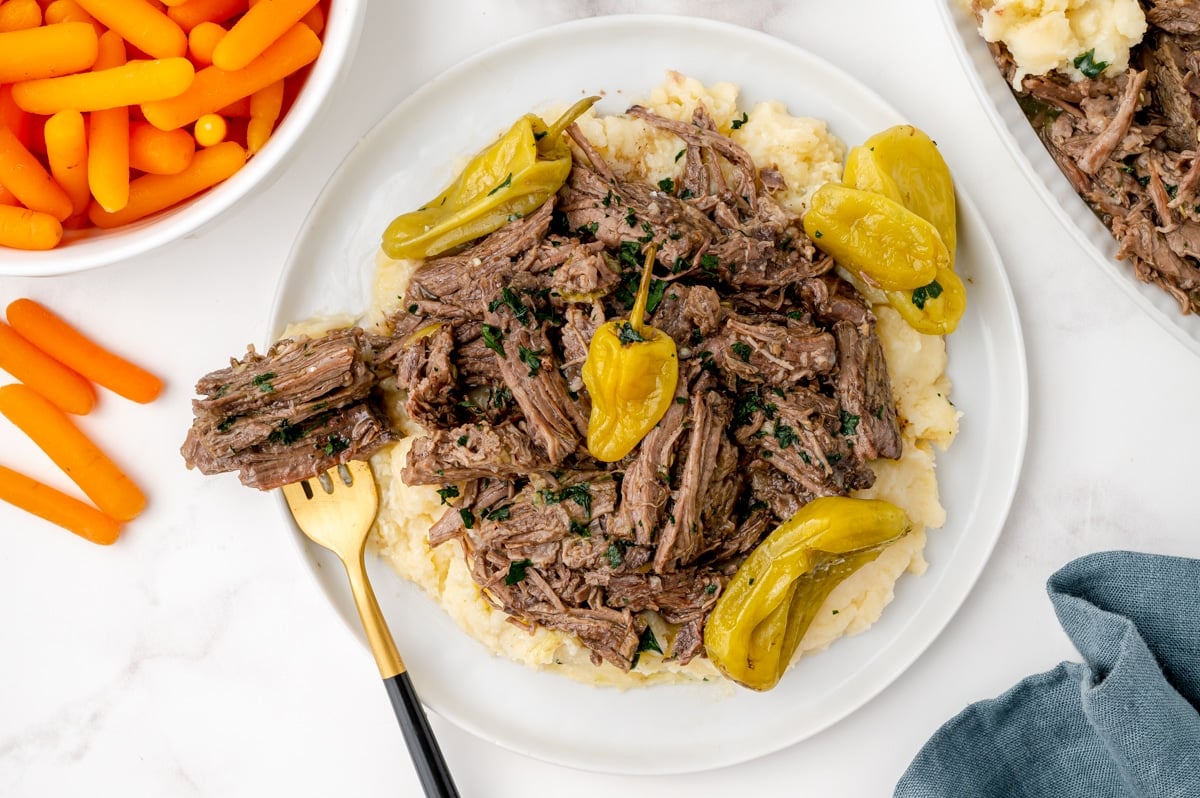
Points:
point(336, 510)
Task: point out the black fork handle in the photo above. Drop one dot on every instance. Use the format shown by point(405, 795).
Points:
point(422, 745)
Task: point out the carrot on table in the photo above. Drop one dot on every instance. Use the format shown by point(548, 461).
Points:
point(20, 15)
point(21, 228)
point(96, 475)
point(23, 175)
point(65, 388)
point(54, 336)
point(47, 51)
point(131, 83)
point(159, 152)
point(190, 14)
point(215, 88)
point(66, 150)
point(108, 138)
point(140, 24)
point(265, 106)
point(202, 39)
point(153, 193)
point(256, 30)
point(57, 507)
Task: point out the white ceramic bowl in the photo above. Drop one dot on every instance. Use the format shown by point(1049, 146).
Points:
point(1043, 173)
point(89, 248)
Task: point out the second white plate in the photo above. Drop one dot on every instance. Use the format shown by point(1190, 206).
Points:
point(409, 156)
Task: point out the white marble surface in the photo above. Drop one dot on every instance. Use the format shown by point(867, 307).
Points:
point(198, 657)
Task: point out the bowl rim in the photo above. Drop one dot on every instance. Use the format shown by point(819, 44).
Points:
point(81, 252)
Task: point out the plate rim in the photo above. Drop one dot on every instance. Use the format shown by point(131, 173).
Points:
point(934, 619)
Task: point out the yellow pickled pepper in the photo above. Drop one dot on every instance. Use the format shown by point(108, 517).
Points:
point(511, 178)
point(757, 624)
point(631, 372)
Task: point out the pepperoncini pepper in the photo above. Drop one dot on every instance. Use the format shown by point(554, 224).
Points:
point(885, 244)
point(507, 180)
point(758, 622)
point(631, 372)
point(904, 164)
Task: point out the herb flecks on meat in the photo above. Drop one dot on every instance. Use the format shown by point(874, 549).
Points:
point(782, 395)
point(1127, 144)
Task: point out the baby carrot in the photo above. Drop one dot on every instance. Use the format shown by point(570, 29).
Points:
point(12, 117)
point(47, 51)
point(159, 152)
point(265, 105)
point(140, 24)
point(108, 138)
point(21, 228)
point(66, 150)
point(202, 39)
point(152, 193)
point(20, 15)
point(23, 175)
point(214, 88)
point(57, 507)
point(71, 392)
point(54, 336)
point(256, 30)
point(132, 83)
point(69, 11)
point(95, 474)
point(315, 19)
point(7, 198)
point(190, 14)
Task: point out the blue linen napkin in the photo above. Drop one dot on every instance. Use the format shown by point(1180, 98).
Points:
point(1123, 724)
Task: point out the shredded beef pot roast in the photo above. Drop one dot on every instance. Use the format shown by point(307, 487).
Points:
point(1128, 145)
point(783, 395)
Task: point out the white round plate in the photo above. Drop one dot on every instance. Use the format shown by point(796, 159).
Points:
point(1048, 180)
point(408, 157)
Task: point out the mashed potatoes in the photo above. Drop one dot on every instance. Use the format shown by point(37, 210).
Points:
point(1048, 35)
point(807, 155)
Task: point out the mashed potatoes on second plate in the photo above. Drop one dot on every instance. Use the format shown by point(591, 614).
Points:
point(806, 155)
point(1050, 35)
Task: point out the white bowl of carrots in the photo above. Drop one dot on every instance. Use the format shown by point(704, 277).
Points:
point(127, 124)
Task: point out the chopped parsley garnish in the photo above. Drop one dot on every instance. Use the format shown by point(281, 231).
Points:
point(626, 334)
point(531, 358)
point(709, 263)
point(507, 182)
point(509, 298)
point(502, 513)
point(737, 123)
point(816, 233)
point(925, 293)
point(686, 194)
point(631, 218)
point(626, 292)
point(413, 308)
point(263, 382)
point(580, 493)
point(681, 400)
point(516, 572)
point(1088, 65)
point(448, 492)
point(462, 440)
point(679, 155)
point(785, 436)
point(629, 254)
point(590, 228)
point(795, 314)
point(615, 556)
point(648, 642)
point(286, 433)
point(710, 589)
point(493, 339)
point(335, 444)
point(742, 350)
point(608, 198)
point(468, 517)
point(849, 422)
point(581, 529)
point(227, 423)
point(750, 403)
point(667, 185)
